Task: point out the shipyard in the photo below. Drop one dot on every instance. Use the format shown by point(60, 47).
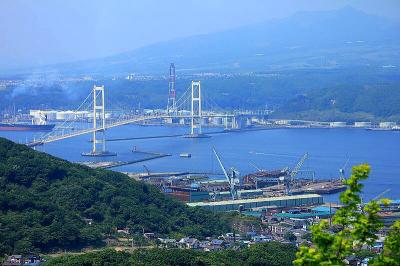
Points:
point(228, 191)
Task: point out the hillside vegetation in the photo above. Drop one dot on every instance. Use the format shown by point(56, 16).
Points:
point(270, 254)
point(44, 201)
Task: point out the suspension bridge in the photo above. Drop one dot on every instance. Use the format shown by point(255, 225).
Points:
point(190, 106)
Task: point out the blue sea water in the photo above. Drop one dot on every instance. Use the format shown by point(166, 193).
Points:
point(328, 151)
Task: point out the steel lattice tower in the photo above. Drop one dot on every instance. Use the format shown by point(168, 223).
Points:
point(171, 107)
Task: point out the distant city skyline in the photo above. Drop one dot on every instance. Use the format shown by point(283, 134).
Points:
point(41, 32)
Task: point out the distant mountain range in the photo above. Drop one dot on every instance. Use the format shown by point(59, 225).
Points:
point(328, 39)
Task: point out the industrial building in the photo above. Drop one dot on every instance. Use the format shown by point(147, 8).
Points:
point(337, 124)
point(244, 194)
point(387, 124)
point(272, 202)
point(362, 124)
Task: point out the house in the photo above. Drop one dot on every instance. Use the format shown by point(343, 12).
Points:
point(300, 223)
point(278, 230)
point(231, 237)
point(249, 235)
point(123, 230)
point(217, 244)
point(150, 236)
point(167, 242)
point(204, 245)
point(14, 260)
point(245, 243)
point(261, 238)
point(19, 260)
point(365, 262)
point(377, 247)
point(32, 260)
point(188, 243)
point(352, 260)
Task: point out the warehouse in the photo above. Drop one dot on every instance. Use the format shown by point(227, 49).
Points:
point(279, 202)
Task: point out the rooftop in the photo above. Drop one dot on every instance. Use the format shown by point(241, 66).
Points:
point(239, 191)
point(243, 201)
point(301, 215)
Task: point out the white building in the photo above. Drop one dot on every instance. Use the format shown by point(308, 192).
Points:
point(362, 124)
point(387, 124)
point(337, 124)
point(65, 115)
point(282, 122)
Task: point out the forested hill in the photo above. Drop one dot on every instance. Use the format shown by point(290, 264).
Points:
point(44, 201)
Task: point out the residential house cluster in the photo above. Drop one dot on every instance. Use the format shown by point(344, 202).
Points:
point(20, 260)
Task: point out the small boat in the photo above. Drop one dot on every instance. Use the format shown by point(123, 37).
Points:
point(185, 155)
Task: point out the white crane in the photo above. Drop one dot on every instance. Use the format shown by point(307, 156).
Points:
point(296, 169)
point(380, 195)
point(232, 177)
point(342, 170)
point(290, 177)
point(256, 167)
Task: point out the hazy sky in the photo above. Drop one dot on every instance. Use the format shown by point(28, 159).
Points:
point(36, 32)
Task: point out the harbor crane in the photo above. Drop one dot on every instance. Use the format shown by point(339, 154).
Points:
point(290, 178)
point(380, 195)
point(255, 179)
point(232, 177)
point(298, 166)
point(256, 167)
point(147, 169)
point(342, 170)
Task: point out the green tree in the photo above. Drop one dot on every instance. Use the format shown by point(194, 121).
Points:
point(289, 236)
point(357, 225)
point(307, 236)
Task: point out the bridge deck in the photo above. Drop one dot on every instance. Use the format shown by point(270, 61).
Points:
point(115, 124)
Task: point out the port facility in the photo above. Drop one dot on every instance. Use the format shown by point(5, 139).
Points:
point(271, 202)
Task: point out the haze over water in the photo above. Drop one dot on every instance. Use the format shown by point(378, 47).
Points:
point(268, 149)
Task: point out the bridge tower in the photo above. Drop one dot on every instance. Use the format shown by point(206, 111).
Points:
point(98, 111)
point(99, 123)
point(171, 107)
point(196, 109)
point(196, 112)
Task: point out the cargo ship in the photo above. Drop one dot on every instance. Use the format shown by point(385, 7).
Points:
point(38, 123)
point(25, 127)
